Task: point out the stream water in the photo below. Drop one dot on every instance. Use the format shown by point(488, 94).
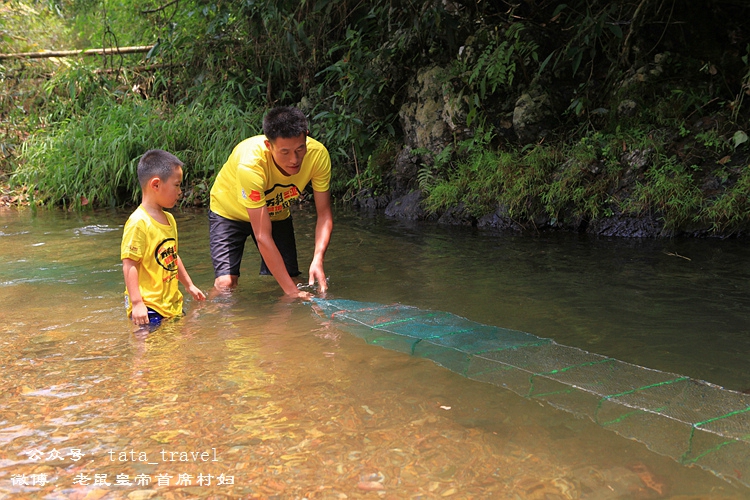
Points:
point(252, 396)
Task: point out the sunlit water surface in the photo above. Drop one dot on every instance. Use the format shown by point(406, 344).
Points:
point(251, 396)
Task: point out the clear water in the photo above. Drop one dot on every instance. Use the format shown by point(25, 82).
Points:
point(263, 399)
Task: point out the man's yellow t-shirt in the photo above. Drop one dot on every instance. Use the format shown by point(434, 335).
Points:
point(251, 179)
point(153, 246)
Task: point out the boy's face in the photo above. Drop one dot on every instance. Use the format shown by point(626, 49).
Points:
point(288, 153)
point(168, 191)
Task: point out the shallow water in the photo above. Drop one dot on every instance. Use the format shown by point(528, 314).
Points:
point(264, 399)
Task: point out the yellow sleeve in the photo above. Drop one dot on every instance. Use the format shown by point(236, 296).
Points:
point(252, 183)
point(133, 241)
point(321, 177)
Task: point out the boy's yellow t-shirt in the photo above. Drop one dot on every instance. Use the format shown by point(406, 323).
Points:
point(250, 179)
point(154, 246)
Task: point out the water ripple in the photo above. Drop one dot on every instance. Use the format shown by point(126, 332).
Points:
point(94, 229)
point(57, 391)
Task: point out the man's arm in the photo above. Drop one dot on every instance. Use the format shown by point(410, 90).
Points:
point(139, 314)
point(323, 229)
point(261, 222)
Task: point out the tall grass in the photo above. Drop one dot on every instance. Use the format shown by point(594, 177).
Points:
point(730, 212)
point(566, 185)
point(673, 192)
point(92, 159)
point(670, 191)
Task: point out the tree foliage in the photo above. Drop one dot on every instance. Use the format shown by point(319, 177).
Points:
point(349, 64)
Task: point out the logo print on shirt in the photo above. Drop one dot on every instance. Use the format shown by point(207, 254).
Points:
point(254, 195)
point(166, 254)
point(283, 199)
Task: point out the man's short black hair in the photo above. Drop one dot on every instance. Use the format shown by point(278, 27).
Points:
point(284, 121)
point(156, 162)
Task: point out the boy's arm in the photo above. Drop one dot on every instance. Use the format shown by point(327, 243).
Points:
point(261, 222)
point(184, 278)
point(323, 229)
point(139, 315)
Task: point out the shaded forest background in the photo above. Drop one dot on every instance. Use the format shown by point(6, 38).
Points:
point(611, 117)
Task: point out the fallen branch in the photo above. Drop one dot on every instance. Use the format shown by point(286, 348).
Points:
point(72, 53)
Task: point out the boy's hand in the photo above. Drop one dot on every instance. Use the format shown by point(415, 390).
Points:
point(139, 315)
point(196, 292)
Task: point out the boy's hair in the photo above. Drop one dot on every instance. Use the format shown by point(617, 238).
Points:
point(156, 163)
point(284, 121)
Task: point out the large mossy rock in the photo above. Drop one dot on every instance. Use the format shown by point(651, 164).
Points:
point(533, 116)
point(430, 118)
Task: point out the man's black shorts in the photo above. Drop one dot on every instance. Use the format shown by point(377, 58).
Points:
point(227, 242)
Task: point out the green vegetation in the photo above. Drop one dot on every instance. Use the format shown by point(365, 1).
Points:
point(96, 157)
point(641, 118)
point(542, 180)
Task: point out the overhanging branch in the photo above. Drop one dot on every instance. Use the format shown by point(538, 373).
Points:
point(74, 53)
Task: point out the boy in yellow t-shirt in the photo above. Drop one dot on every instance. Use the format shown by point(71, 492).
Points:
point(150, 262)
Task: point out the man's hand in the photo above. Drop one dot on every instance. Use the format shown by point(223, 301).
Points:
point(323, 229)
point(261, 223)
point(317, 273)
point(304, 295)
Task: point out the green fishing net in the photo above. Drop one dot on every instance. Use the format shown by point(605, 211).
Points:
point(692, 421)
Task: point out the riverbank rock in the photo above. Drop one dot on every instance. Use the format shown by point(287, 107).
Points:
point(403, 175)
point(432, 119)
point(406, 207)
point(430, 116)
point(457, 216)
point(628, 227)
point(499, 220)
point(531, 115)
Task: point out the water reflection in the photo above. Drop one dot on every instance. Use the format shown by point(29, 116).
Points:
point(282, 404)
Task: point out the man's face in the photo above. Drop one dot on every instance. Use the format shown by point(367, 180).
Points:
point(288, 152)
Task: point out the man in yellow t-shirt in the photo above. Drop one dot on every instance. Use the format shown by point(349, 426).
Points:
point(251, 197)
